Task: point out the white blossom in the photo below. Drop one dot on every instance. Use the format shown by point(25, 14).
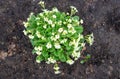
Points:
point(49, 21)
point(64, 22)
point(42, 4)
point(55, 10)
point(57, 46)
point(49, 45)
point(53, 33)
point(38, 53)
point(60, 22)
point(25, 32)
point(69, 20)
point(31, 36)
point(57, 72)
point(53, 38)
point(37, 18)
point(38, 23)
point(73, 9)
point(26, 24)
point(38, 61)
point(38, 34)
point(42, 37)
point(41, 14)
point(51, 60)
point(91, 39)
point(64, 32)
point(63, 41)
point(76, 55)
point(53, 25)
point(70, 61)
point(45, 26)
point(72, 30)
point(60, 30)
point(57, 36)
point(46, 19)
point(81, 21)
point(56, 68)
point(54, 16)
point(69, 26)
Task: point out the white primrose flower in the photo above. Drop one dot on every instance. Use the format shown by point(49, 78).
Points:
point(43, 38)
point(38, 53)
point(28, 19)
point(49, 45)
point(57, 72)
point(60, 30)
point(77, 43)
point(25, 32)
point(63, 41)
point(76, 55)
point(91, 39)
point(38, 23)
point(51, 60)
point(53, 33)
point(64, 22)
point(49, 21)
point(26, 24)
point(54, 16)
point(60, 23)
point(38, 61)
point(70, 61)
point(39, 48)
point(57, 36)
point(55, 10)
point(57, 46)
point(72, 42)
point(53, 25)
point(73, 9)
point(31, 36)
point(56, 67)
point(41, 14)
point(83, 44)
point(81, 21)
point(69, 20)
point(35, 48)
point(53, 38)
point(42, 3)
point(46, 19)
point(69, 26)
point(72, 30)
point(45, 26)
point(67, 13)
point(38, 34)
point(37, 18)
point(64, 32)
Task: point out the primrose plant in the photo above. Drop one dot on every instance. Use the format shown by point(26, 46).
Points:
point(56, 36)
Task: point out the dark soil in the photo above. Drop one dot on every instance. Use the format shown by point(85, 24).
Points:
point(102, 17)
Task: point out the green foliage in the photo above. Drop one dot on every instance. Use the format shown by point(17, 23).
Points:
point(56, 36)
point(85, 59)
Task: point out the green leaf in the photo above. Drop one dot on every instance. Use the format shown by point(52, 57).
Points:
point(62, 57)
point(33, 51)
point(82, 61)
point(40, 58)
point(76, 17)
point(79, 29)
point(45, 54)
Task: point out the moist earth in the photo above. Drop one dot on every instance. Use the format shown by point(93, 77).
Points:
point(101, 17)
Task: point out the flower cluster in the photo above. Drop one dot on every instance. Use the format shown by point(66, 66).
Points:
point(56, 36)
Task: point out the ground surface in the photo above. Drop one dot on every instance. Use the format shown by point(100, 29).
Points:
point(102, 17)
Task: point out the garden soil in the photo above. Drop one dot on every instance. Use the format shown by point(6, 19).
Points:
point(101, 17)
